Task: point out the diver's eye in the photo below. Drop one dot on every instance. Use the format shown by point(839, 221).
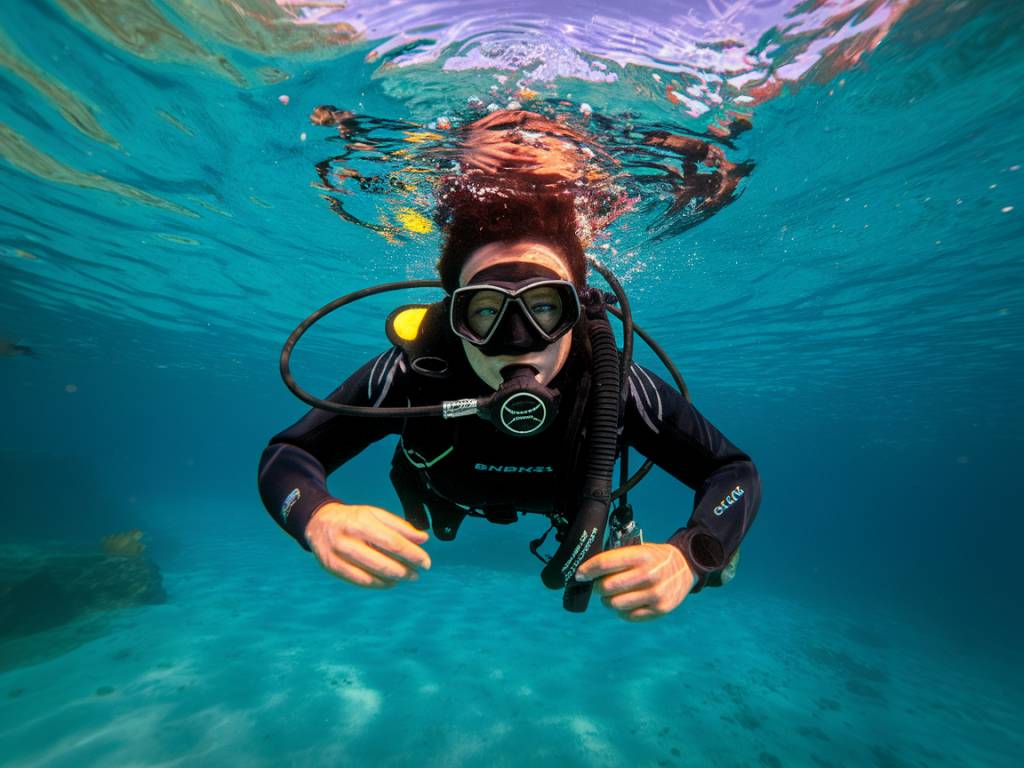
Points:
point(546, 307)
point(482, 311)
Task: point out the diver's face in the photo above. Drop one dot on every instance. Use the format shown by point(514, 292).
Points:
point(549, 360)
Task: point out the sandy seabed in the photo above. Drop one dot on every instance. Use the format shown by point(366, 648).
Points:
point(261, 659)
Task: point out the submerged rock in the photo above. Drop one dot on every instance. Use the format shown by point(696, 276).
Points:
point(127, 544)
point(41, 591)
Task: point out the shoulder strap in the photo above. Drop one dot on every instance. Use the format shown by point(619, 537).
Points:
point(417, 500)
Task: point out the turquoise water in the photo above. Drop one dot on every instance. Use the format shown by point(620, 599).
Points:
point(852, 320)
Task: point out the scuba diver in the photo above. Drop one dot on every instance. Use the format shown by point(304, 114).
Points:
point(522, 342)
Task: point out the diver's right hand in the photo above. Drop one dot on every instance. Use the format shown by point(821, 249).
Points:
point(366, 546)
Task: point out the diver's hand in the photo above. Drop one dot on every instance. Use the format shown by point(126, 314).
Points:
point(366, 546)
point(640, 582)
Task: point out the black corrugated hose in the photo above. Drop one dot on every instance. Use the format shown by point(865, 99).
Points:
point(585, 536)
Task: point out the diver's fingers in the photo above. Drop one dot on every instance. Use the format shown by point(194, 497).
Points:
point(625, 581)
point(641, 614)
point(611, 561)
point(373, 561)
point(410, 553)
point(391, 543)
point(629, 601)
point(399, 525)
point(352, 573)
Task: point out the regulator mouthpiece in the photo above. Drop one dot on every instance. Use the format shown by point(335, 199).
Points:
point(521, 407)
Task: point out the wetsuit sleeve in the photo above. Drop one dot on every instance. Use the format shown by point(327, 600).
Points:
point(294, 466)
point(666, 428)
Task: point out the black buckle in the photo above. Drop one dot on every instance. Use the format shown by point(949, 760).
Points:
point(502, 515)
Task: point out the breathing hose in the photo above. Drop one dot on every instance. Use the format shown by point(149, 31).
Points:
point(585, 535)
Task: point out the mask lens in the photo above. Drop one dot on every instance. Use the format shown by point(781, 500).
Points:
point(545, 304)
point(481, 310)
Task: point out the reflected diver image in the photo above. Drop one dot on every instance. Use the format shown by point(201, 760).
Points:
point(518, 319)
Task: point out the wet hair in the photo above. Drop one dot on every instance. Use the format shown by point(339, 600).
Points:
point(476, 218)
point(520, 178)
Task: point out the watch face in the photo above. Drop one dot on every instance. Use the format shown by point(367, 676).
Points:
point(707, 551)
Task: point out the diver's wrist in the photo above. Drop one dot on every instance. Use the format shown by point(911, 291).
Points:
point(703, 553)
point(325, 503)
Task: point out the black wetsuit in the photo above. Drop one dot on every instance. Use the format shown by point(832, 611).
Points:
point(469, 462)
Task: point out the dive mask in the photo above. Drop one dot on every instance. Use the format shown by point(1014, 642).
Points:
point(514, 308)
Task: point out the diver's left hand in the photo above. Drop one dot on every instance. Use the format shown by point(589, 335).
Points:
point(640, 582)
